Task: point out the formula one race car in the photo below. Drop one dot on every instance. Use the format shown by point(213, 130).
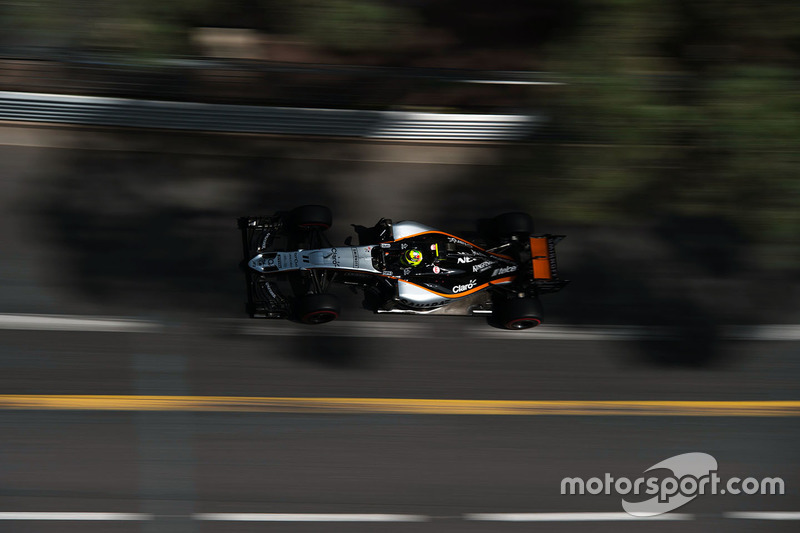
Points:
point(498, 271)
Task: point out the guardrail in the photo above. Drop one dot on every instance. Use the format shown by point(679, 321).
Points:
point(397, 125)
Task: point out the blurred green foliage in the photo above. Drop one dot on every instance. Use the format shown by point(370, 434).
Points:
point(162, 28)
point(145, 28)
point(353, 25)
point(672, 107)
point(678, 109)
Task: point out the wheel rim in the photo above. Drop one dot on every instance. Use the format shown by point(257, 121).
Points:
point(523, 323)
point(320, 317)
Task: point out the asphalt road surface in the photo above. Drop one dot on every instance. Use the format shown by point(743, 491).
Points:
point(424, 472)
point(84, 242)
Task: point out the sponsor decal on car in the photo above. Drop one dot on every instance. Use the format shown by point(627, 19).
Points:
point(457, 241)
point(268, 286)
point(334, 257)
point(467, 286)
point(410, 303)
point(436, 269)
point(504, 270)
point(551, 252)
point(466, 259)
point(265, 240)
point(486, 265)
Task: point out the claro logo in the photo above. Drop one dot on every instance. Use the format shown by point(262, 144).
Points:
point(466, 287)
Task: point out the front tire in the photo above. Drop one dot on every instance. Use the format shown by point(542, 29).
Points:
point(518, 313)
point(315, 309)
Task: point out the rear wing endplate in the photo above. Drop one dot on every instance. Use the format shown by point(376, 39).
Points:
point(543, 256)
point(544, 266)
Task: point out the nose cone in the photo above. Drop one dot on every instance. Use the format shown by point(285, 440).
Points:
point(256, 263)
point(263, 263)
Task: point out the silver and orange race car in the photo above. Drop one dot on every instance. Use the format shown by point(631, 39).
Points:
point(498, 271)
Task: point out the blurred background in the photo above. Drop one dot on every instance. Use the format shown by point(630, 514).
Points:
point(660, 136)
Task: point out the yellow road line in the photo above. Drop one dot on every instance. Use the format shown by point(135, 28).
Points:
point(246, 404)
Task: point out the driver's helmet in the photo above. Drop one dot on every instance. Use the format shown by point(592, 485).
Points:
point(412, 257)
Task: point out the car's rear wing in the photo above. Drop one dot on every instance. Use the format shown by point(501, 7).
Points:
point(544, 264)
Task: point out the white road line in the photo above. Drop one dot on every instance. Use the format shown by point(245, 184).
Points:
point(308, 517)
point(380, 517)
point(576, 333)
point(74, 516)
point(772, 332)
point(76, 323)
point(568, 517)
point(764, 515)
point(387, 328)
point(345, 328)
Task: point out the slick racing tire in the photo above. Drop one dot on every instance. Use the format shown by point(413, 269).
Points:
point(518, 313)
point(309, 217)
point(509, 224)
point(316, 309)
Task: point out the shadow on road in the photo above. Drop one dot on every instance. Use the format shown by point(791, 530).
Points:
point(153, 230)
point(145, 232)
point(684, 275)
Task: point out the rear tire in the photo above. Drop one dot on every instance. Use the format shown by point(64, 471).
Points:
point(315, 309)
point(310, 217)
point(518, 313)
